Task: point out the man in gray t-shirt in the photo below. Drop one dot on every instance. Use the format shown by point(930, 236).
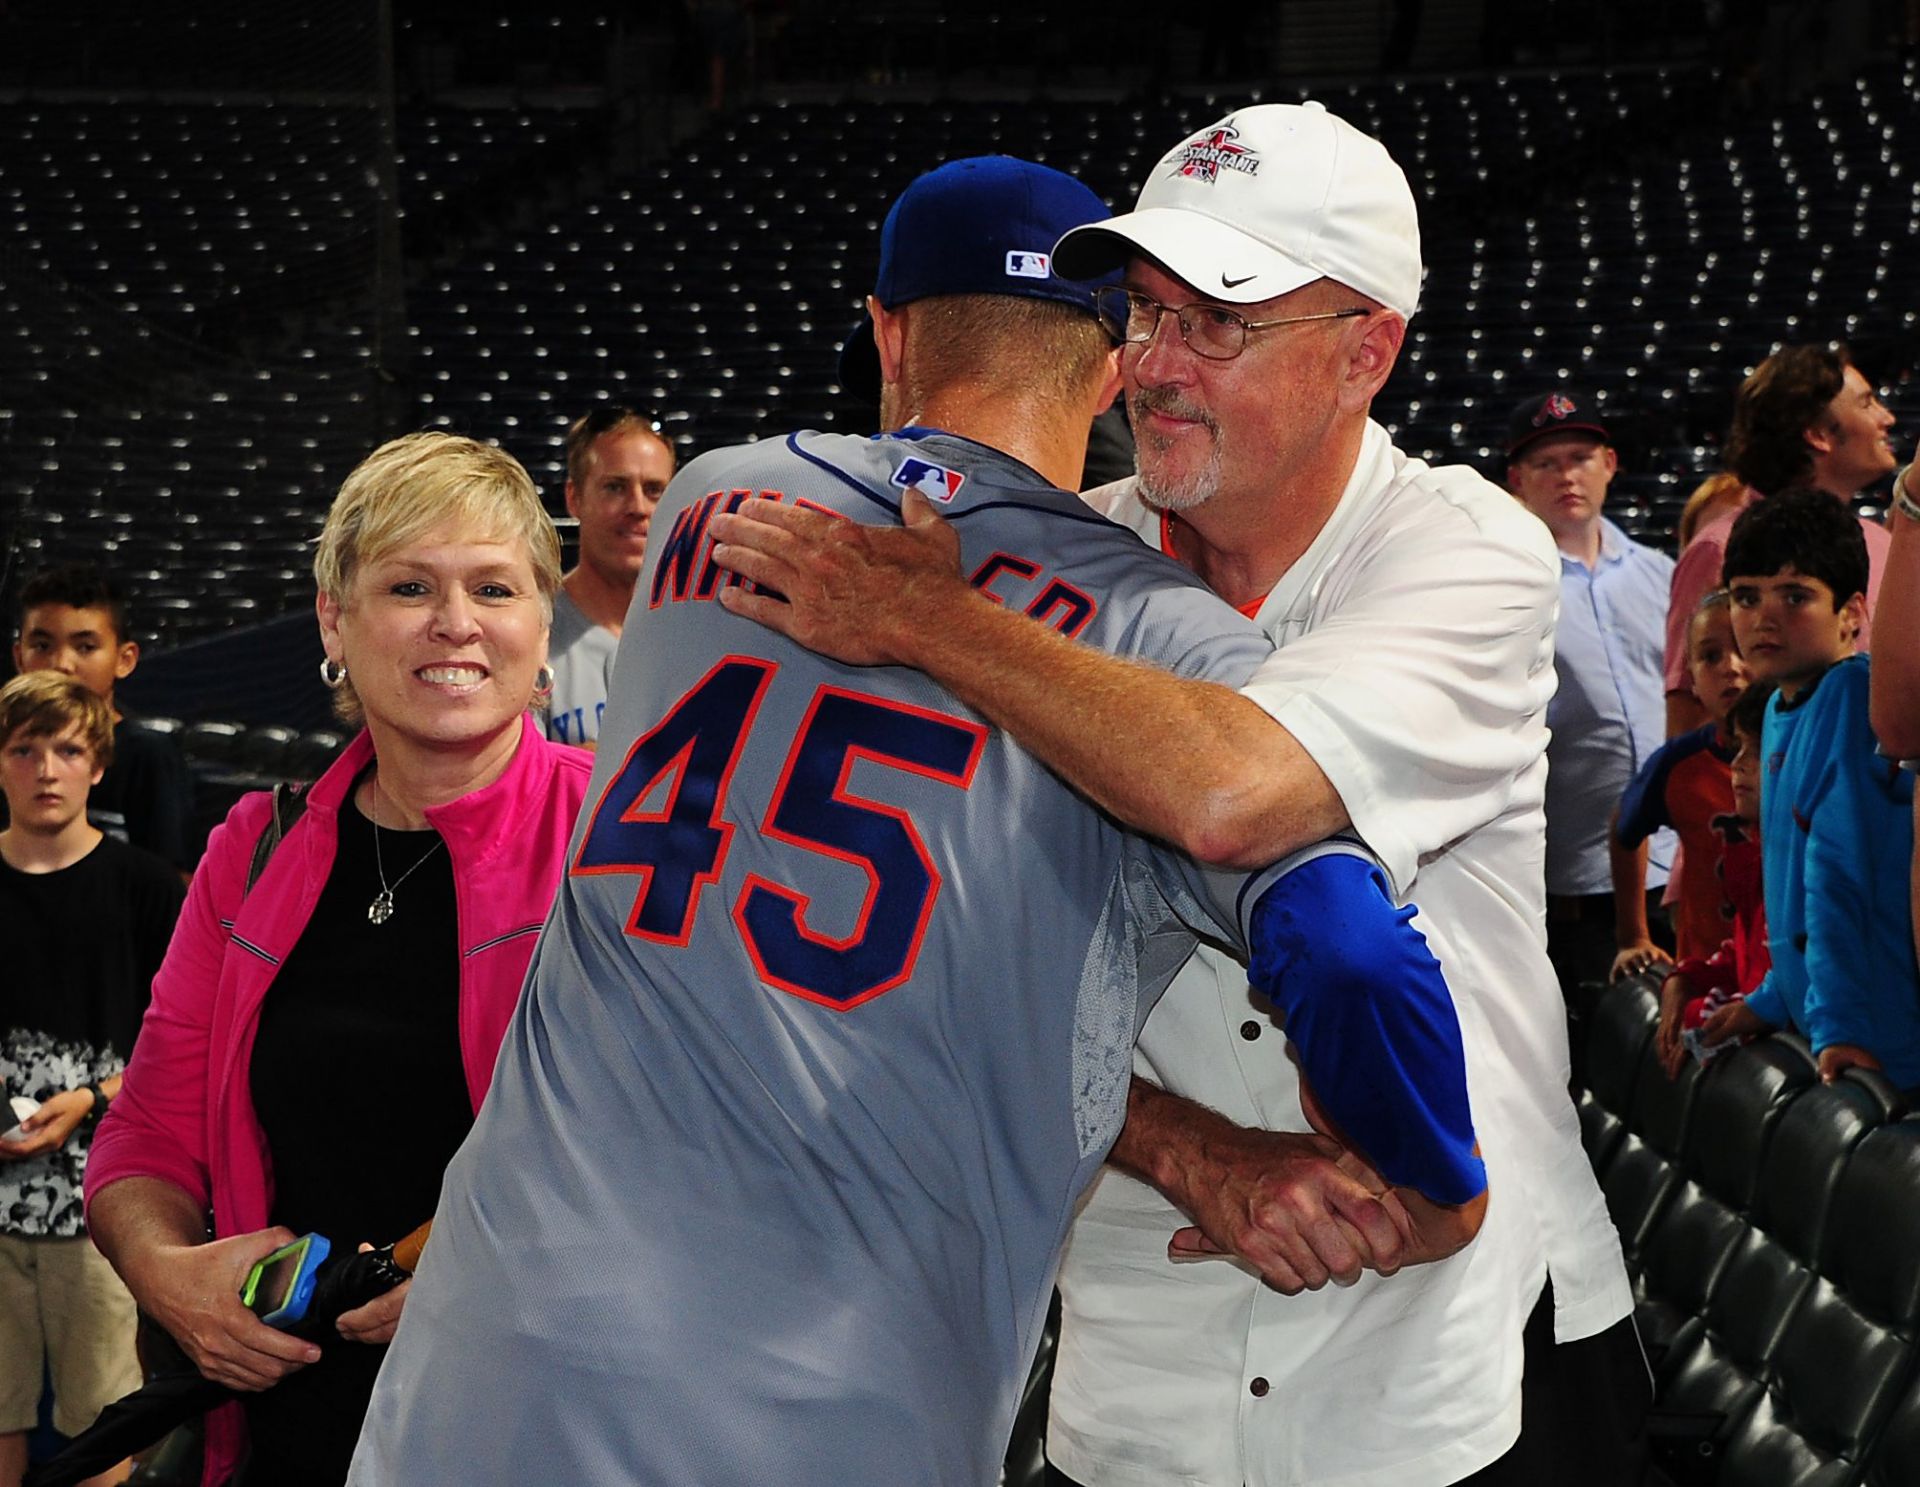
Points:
point(618, 467)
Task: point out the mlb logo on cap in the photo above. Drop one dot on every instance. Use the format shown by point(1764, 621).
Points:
point(935, 482)
point(1028, 265)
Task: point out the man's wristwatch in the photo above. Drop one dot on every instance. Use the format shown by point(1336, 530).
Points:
point(1903, 498)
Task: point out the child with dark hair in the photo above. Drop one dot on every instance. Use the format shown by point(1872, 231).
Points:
point(73, 619)
point(1836, 818)
point(85, 921)
point(1700, 985)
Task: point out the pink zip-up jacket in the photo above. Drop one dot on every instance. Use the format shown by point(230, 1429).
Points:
point(185, 1113)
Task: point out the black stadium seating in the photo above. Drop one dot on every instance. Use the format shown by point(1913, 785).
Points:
point(1604, 227)
point(1777, 1267)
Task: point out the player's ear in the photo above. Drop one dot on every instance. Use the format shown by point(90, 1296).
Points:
point(889, 337)
point(1109, 382)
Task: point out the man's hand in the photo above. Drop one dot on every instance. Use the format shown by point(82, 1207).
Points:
point(1837, 1058)
point(48, 1128)
point(1735, 1020)
point(853, 592)
point(1433, 1231)
point(1636, 958)
point(1300, 1209)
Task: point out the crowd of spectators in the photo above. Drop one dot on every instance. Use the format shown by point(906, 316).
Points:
point(1796, 903)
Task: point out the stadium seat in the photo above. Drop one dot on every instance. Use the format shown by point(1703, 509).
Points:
point(1848, 1346)
point(1645, 1170)
point(1616, 1051)
point(1682, 1258)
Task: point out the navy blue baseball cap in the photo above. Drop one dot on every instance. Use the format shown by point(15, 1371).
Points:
point(985, 225)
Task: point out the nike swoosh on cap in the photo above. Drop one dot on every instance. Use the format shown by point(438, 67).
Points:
point(1226, 283)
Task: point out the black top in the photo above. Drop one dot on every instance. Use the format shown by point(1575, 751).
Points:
point(78, 952)
point(146, 795)
point(358, 1083)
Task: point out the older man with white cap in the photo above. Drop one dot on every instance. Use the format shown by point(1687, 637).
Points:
point(1270, 266)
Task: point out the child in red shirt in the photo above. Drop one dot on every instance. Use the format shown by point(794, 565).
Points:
point(1700, 985)
point(1685, 784)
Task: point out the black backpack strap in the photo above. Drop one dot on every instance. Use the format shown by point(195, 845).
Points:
point(289, 803)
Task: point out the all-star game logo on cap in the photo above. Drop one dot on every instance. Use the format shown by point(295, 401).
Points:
point(935, 482)
point(1204, 158)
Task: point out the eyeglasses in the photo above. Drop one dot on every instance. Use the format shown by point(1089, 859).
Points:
point(1212, 331)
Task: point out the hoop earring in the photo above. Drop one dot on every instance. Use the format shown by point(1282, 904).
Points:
point(543, 684)
point(333, 674)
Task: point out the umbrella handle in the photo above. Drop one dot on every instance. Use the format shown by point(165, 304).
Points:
point(406, 1253)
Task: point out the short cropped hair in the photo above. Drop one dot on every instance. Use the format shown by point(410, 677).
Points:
point(1748, 715)
point(1001, 340)
point(1806, 530)
point(78, 586)
point(409, 486)
point(1786, 395)
point(47, 703)
point(587, 430)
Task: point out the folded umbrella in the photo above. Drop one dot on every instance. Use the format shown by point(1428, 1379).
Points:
point(342, 1283)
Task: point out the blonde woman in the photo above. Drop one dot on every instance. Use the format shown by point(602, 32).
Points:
point(317, 1044)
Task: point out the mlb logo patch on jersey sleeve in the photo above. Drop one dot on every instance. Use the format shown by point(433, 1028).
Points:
point(935, 482)
point(1028, 265)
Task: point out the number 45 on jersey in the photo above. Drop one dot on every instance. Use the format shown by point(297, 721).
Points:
point(678, 846)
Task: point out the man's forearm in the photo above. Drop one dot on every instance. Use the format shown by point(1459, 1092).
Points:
point(1165, 1137)
point(1190, 762)
point(1896, 640)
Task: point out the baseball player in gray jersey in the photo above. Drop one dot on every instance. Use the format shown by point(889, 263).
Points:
point(832, 1020)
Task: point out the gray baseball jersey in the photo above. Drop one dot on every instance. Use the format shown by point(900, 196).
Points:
point(830, 1026)
point(581, 655)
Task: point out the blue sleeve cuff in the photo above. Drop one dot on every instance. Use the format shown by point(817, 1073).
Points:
point(1371, 1020)
point(1768, 1005)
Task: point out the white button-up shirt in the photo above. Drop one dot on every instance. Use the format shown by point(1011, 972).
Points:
point(1415, 666)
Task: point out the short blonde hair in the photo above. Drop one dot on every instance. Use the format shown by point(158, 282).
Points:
point(409, 486)
point(47, 703)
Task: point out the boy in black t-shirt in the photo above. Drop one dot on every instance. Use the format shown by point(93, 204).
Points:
point(73, 619)
point(85, 921)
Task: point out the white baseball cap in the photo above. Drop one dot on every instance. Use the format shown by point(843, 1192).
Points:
point(1265, 200)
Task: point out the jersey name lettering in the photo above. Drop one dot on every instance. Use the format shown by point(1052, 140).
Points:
point(687, 571)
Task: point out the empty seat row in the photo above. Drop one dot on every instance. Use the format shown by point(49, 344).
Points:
point(1771, 1224)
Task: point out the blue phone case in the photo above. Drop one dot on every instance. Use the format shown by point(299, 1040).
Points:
point(300, 1294)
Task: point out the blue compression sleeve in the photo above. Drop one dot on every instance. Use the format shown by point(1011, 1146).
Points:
point(1370, 1016)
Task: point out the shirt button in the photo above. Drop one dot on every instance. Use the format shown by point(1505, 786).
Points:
point(1249, 1029)
point(1258, 1388)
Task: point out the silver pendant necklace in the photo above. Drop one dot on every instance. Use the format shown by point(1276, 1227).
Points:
point(381, 909)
